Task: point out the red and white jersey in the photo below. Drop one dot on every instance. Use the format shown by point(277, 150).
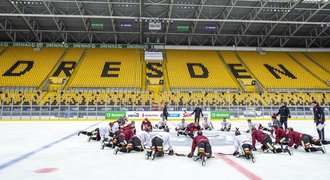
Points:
point(166, 137)
point(239, 140)
point(181, 125)
point(225, 124)
point(144, 138)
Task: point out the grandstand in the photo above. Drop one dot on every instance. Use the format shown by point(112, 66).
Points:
point(251, 57)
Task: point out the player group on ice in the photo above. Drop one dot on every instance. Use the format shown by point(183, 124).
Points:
point(123, 137)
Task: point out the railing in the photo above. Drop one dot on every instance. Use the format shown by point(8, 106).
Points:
point(16, 112)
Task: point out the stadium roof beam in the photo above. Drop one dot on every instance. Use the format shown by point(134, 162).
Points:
point(317, 34)
point(7, 26)
point(169, 15)
point(224, 16)
point(244, 27)
point(289, 30)
point(193, 25)
point(113, 23)
point(268, 30)
point(30, 21)
point(86, 22)
point(58, 21)
point(177, 34)
point(165, 19)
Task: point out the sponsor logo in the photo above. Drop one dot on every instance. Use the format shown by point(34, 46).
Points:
point(174, 115)
point(114, 114)
point(220, 114)
point(135, 114)
point(150, 115)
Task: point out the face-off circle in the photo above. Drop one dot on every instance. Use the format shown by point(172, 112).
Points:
point(46, 170)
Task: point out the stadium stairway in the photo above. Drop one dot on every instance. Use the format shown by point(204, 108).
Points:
point(223, 62)
point(311, 67)
point(45, 85)
point(76, 69)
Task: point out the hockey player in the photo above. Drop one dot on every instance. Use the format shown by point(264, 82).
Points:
point(266, 141)
point(158, 142)
point(92, 135)
point(128, 126)
point(207, 125)
point(203, 145)
point(181, 127)
point(225, 125)
point(284, 113)
point(274, 121)
point(306, 141)
point(146, 124)
point(114, 128)
point(138, 142)
point(253, 124)
point(122, 139)
point(280, 135)
point(191, 128)
point(162, 123)
point(198, 112)
point(243, 144)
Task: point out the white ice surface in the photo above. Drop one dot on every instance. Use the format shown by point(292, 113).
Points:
point(75, 158)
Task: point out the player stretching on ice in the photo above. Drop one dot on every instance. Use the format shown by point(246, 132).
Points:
point(243, 144)
point(306, 141)
point(203, 145)
point(181, 127)
point(225, 125)
point(266, 141)
point(191, 128)
point(207, 125)
point(157, 144)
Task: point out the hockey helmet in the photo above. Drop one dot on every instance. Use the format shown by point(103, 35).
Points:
point(199, 132)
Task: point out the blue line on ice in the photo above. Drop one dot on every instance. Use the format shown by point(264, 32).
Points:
point(27, 155)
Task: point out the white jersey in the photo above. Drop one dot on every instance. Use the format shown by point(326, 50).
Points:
point(162, 122)
point(254, 124)
point(226, 124)
point(240, 140)
point(181, 125)
point(144, 138)
point(207, 124)
point(104, 130)
point(115, 127)
point(166, 137)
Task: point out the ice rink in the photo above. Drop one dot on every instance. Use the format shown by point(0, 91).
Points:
point(52, 151)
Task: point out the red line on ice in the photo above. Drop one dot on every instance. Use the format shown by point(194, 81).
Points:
point(238, 167)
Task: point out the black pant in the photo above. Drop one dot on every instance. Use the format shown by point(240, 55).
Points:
point(284, 120)
point(307, 142)
point(206, 146)
point(268, 144)
point(157, 142)
point(135, 144)
point(197, 119)
point(165, 116)
point(321, 133)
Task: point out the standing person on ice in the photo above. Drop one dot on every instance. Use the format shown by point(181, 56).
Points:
point(319, 119)
point(165, 112)
point(284, 113)
point(198, 112)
